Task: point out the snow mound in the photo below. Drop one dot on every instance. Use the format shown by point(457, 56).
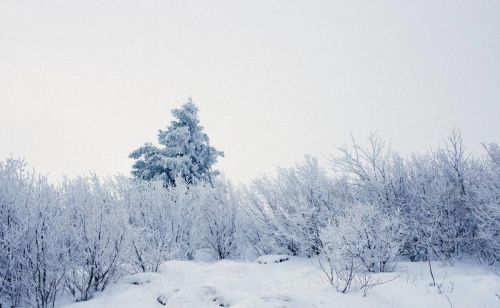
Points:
point(201, 296)
point(268, 259)
point(296, 283)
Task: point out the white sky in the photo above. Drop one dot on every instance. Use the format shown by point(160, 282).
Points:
point(83, 83)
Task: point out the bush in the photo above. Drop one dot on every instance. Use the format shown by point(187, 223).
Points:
point(360, 241)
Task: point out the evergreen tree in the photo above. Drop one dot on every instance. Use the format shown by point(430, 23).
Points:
point(185, 151)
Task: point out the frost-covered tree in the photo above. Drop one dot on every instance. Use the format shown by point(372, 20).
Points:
point(185, 151)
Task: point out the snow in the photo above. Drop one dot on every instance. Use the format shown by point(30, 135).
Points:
point(299, 283)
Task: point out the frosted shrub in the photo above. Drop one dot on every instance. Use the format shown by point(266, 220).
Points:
point(366, 234)
point(158, 228)
point(32, 262)
point(360, 241)
point(95, 235)
point(43, 258)
point(290, 209)
point(487, 206)
point(219, 219)
point(13, 191)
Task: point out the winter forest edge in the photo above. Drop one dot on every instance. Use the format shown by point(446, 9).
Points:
point(368, 208)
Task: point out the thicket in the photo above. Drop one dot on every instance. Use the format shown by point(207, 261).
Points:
point(368, 208)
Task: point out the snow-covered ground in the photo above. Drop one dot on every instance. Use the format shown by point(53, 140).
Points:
point(296, 282)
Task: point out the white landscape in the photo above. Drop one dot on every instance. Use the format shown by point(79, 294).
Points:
point(310, 236)
point(249, 154)
point(296, 283)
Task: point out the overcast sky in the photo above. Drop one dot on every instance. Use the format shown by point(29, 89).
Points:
point(83, 83)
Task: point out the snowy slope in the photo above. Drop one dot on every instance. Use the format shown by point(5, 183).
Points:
point(295, 283)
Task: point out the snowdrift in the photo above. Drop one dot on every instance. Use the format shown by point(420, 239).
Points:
point(298, 283)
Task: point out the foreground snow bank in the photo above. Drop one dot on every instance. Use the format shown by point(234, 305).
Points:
point(296, 283)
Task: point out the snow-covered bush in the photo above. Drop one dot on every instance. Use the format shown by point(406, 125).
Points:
point(374, 173)
point(442, 194)
point(289, 210)
point(95, 235)
point(365, 236)
point(32, 261)
point(358, 242)
point(14, 190)
point(44, 259)
point(173, 222)
point(437, 194)
point(219, 219)
point(486, 207)
point(457, 226)
point(159, 229)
